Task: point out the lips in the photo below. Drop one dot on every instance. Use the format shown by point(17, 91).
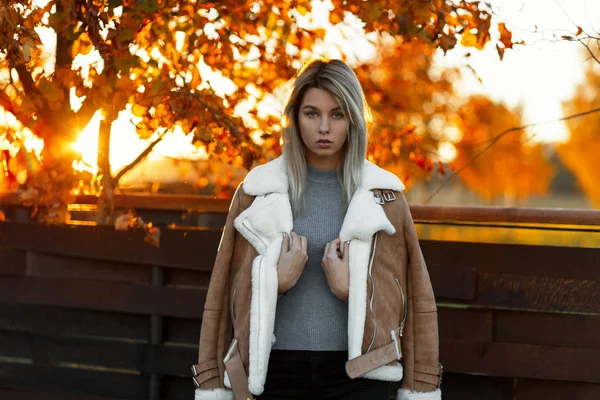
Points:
point(325, 141)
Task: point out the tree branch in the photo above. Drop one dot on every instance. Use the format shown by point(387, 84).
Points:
point(139, 158)
point(497, 138)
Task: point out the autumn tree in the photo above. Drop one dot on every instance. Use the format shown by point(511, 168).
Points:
point(510, 170)
point(149, 55)
point(580, 153)
point(410, 107)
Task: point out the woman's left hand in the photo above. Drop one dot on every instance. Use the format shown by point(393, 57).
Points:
point(336, 267)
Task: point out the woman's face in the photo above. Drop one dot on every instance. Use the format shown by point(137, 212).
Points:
point(323, 128)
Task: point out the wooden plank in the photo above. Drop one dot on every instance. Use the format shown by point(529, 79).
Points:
point(538, 293)
point(48, 350)
point(161, 201)
point(52, 266)
point(186, 277)
point(15, 394)
point(466, 324)
point(65, 322)
point(516, 259)
point(520, 360)
point(533, 389)
point(476, 387)
point(505, 215)
point(119, 297)
point(175, 388)
point(111, 354)
point(547, 329)
point(12, 262)
point(182, 330)
point(76, 381)
point(452, 282)
point(181, 248)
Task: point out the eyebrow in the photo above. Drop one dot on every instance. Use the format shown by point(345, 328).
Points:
point(338, 108)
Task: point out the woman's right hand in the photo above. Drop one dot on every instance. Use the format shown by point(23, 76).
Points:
point(291, 262)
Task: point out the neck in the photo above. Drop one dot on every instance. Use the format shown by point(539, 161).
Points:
point(323, 163)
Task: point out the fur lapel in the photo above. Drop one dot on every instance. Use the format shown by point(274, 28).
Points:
point(264, 222)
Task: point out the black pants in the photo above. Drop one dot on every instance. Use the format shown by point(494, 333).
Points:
point(317, 375)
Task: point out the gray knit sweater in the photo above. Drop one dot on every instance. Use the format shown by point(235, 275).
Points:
point(309, 316)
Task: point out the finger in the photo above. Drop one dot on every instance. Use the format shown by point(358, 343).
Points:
point(333, 249)
point(326, 250)
point(293, 237)
point(304, 242)
point(285, 243)
point(346, 250)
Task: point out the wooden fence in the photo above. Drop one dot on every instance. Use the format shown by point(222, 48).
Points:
point(90, 313)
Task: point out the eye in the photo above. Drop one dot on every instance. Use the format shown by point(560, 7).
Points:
point(337, 115)
point(311, 114)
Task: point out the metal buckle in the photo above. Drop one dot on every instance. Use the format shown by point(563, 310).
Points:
point(441, 373)
point(389, 195)
point(194, 372)
point(396, 343)
point(379, 199)
point(196, 382)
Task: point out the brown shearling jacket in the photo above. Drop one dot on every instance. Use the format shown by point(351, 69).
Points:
point(393, 337)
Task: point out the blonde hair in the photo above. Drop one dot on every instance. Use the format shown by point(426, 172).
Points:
point(337, 78)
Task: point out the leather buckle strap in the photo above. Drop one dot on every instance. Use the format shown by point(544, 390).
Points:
point(197, 369)
point(205, 376)
point(204, 371)
point(429, 374)
point(236, 372)
point(375, 358)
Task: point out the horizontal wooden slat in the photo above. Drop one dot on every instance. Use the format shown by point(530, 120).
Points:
point(476, 387)
point(178, 248)
point(547, 329)
point(175, 388)
point(181, 330)
point(505, 215)
point(212, 204)
point(538, 293)
point(12, 262)
point(116, 355)
point(52, 266)
point(187, 277)
point(533, 389)
point(466, 324)
point(452, 282)
point(16, 394)
point(137, 299)
point(525, 260)
point(75, 381)
point(520, 360)
point(67, 322)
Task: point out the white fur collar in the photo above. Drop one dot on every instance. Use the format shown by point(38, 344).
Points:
point(272, 178)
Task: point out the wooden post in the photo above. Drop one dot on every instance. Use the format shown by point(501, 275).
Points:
point(156, 337)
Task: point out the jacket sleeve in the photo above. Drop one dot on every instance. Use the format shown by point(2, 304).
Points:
point(420, 342)
point(215, 333)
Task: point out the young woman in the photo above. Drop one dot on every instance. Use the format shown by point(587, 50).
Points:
point(319, 289)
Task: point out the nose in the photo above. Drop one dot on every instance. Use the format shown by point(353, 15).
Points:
point(324, 125)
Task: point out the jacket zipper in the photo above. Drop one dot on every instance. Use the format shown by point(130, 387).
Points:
point(252, 232)
point(404, 306)
point(233, 301)
point(372, 292)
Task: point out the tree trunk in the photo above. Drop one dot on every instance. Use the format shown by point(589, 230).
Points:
point(106, 201)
